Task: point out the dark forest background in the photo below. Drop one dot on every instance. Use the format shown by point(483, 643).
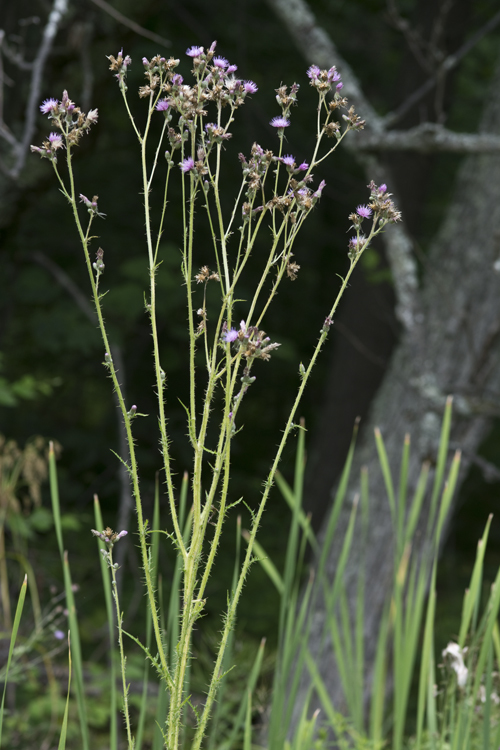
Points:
point(52, 382)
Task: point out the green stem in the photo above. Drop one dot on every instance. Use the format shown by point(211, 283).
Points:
point(127, 422)
point(123, 658)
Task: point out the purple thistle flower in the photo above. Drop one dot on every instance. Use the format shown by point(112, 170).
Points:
point(163, 105)
point(339, 86)
point(145, 62)
point(121, 535)
point(48, 105)
point(187, 165)
point(302, 167)
point(56, 140)
point(313, 71)
point(212, 47)
point(288, 160)
point(230, 336)
point(232, 69)
point(177, 79)
point(318, 192)
point(250, 87)
point(220, 62)
point(280, 122)
point(364, 211)
point(333, 75)
point(383, 188)
point(194, 51)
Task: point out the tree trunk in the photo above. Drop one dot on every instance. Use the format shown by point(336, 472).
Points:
point(449, 345)
point(456, 352)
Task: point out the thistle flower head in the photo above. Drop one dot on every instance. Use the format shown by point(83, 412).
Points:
point(364, 211)
point(194, 51)
point(230, 335)
point(320, 189)
point(333, 75)
point(220, 62)
point(49, 105)
point(56, 141)
point(187, 165)
point(249, 87)
point(162, 105)
point(313, 72)
point(280, 122)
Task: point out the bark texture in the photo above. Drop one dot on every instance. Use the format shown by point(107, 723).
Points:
point(456, 352)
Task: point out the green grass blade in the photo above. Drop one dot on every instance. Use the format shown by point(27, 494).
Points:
point(332, 592)
point(64, 728)
point(292, 551)
point(488, 685)
point(291, 665)
point(70, 601)
point(54, 496)
point(13, 636)
point(426, 662)
point(473, 594)
point(247, 739)
point(379, 680)
point(448, 492)
point(337, 504)
point(266, 562)
point(250, 688)
point(417, 503)
point(289, 497)
point(76, 651)
point(441, 460)
point(386, 473)
point(402, 490)
point(492, 614)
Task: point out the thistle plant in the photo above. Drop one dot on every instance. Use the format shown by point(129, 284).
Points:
point(275, 197)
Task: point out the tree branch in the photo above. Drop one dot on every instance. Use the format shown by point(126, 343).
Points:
point(58, 10)
point(317, 47)
point(107, 8)
point(448, 64)
point(427, 138)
